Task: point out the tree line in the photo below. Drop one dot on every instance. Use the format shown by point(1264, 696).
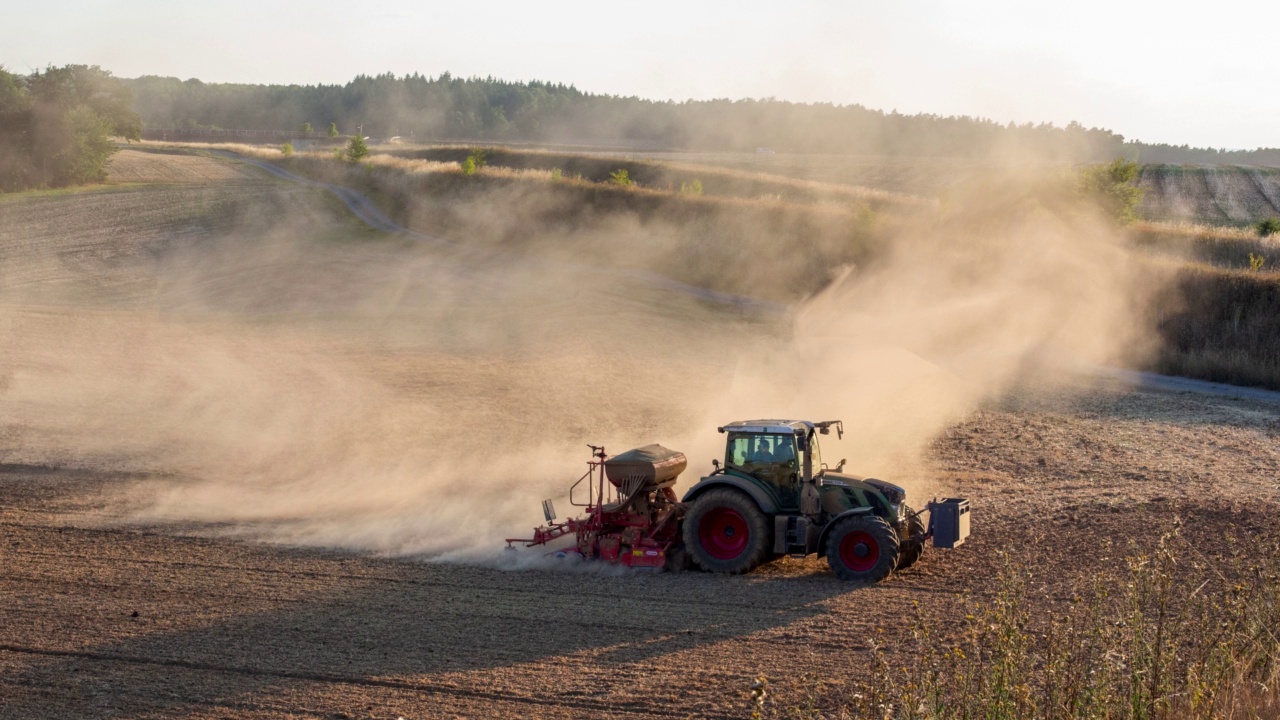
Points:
point(56, 126)
point(478, 109)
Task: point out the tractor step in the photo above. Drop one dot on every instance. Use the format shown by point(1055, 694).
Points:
point(794, 535)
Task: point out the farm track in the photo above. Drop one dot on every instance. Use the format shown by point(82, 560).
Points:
point(104, 615)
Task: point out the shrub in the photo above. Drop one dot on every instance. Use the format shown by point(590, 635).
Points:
point(692, 188)
point(1268, 227)
point(333, 129)
point(286, 149)
point(306, 127)
point(620, 177)
point(474, 161)
point(1114, 187)
point(356, 149)
point(1256, 262)
point(556, 174)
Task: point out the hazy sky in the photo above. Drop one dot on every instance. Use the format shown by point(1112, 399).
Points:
point(1178, 72)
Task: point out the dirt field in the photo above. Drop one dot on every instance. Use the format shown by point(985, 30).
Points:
point(1212, 194)
point(153, 378)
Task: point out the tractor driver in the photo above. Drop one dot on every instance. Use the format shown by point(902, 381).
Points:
point(776, 466)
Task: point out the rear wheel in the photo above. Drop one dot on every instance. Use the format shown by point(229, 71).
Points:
point(725, 532)
point(863, 548)
point(910, 551)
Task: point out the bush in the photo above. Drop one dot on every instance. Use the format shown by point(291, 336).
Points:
point(286, 149)
point(306, 127)
point(1114, 187)
point(356, 149)
point(620, 177)
point(1268, 227)
point(333, 130)
point(692, 188)
point(556, 174)
point(473, 162)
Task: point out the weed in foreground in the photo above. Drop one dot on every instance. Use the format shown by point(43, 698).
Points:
point(1179, 637)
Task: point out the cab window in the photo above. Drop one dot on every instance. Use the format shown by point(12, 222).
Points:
point(757, 448)
point(769, 457)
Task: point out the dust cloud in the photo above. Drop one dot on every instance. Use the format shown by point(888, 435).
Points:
point(274, 382)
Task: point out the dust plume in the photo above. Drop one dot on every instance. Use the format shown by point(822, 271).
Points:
point(270, 380)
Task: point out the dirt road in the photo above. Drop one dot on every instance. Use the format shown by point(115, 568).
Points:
point(149, 389)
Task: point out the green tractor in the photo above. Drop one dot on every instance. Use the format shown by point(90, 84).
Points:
point(774, 496)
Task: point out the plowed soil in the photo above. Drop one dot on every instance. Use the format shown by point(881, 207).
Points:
point(103, 615)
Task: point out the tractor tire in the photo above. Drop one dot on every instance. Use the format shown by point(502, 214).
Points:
point(863, 548)
point(909, 554)
point(725, 532)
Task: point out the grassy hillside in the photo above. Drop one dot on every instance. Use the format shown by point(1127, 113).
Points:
point(779, 238)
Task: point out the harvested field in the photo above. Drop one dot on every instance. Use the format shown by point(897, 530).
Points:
point(154, 622)
point(1215, 194)
point(255, 462)
point(138, 165)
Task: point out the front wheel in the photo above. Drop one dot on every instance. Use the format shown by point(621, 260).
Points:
point(863, 548)
point(725, 532)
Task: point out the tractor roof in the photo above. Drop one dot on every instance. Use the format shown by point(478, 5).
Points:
point(768, 426)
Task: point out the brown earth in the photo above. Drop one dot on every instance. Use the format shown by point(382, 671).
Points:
point(105, 612)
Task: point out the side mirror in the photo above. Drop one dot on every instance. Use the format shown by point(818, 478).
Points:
point(715, 464)
point(840, 465)
point(548, 510)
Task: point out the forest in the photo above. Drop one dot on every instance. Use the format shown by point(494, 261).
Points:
point(448, 108)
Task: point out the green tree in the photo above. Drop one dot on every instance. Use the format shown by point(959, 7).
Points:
point(620, 177)
point(1268, 227)
point(286, 149)
point(333, 129)
point(306, 127)
point(16, 168)
point(356, 149)
point(56, 126)
point(1114, 187)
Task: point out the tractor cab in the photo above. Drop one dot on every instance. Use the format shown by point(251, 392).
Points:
point(782, 455)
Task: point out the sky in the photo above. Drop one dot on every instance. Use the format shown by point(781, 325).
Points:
point(1176, 72)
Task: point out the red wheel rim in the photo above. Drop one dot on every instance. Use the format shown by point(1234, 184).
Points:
point(723, 533)
point(859, 551)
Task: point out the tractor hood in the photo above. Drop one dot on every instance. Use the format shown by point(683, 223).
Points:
point(894, 494)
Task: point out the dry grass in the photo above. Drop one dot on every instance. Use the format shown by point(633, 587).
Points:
point(1221, 324)
point(1228, 248)
point(763, 247)
point(668, 175)
point(1180, 636)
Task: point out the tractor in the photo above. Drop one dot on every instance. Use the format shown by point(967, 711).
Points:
point(772, 496)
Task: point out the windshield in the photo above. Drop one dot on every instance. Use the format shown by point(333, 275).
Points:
point(817, 453)
point(745, 449)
